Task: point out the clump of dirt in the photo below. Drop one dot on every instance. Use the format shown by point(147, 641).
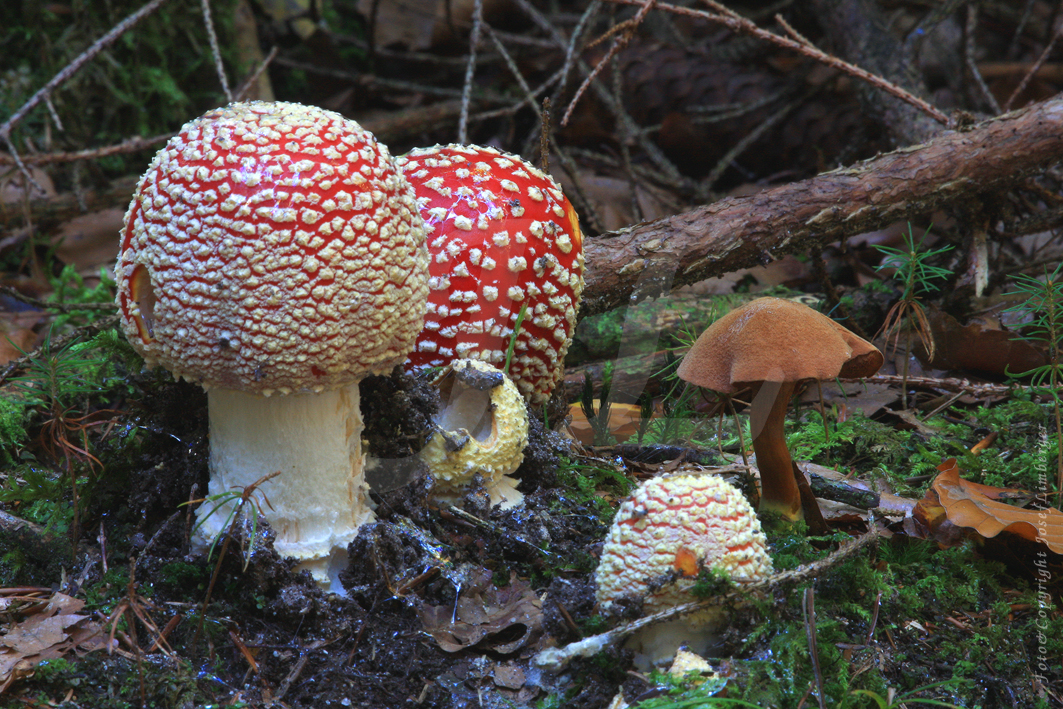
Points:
point(171, 417)
point(397, 413)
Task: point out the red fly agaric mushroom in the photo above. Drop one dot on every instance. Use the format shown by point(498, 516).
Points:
point(660, 536)
point(771, 344)
point(502, 236)
point(274, 254)
point(483, 428)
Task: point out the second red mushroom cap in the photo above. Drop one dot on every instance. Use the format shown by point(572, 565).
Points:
point(501, 235)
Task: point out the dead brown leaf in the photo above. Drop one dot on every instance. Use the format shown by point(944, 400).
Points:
point(491, 618)
point(952, 502)
point(51, 632)
point(980, 346)
point(88, 241)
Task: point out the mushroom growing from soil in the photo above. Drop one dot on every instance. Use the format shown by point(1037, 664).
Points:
point(483, 428)
point(274, 254)
point(660, 536)
point(502, 236)
point(769, 345)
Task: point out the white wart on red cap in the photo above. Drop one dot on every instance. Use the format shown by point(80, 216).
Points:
point(502, 235)
point(670, 525)
point(272, 246)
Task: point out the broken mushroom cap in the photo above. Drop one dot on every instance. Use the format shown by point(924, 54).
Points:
point(661, 535)
point(770, 344)
point(502, 236)
point(274, 248)
point(483, 428)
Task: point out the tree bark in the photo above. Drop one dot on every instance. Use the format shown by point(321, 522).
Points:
point(648, 259)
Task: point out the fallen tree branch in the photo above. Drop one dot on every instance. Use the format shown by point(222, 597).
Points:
point(631, 264)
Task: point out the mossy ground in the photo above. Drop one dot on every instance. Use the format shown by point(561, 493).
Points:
point(902, 616)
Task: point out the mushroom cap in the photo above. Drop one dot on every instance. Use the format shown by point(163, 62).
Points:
point(273, 247)
point(671, 521)
point(484, 424)
point(775, 340)
point(501, 235)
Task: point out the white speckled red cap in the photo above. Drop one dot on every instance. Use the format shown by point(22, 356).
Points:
point(501, 235)
point(273, 247)
point(669, 525)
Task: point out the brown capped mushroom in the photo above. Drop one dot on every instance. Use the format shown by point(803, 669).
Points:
point(769, 345)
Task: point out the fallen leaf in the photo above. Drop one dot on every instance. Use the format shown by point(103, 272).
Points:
point(508, 675)
point(981, 346)
point(970, 505)
point(49, 632)
point(498, 619)
point(88, 240)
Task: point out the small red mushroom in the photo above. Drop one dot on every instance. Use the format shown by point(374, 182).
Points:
point(273, 248)
point(661, 535)
point(502, 236)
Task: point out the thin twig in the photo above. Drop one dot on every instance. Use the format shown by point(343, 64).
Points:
point(1036, 66)
point(629, 28)
point(808, 609)
point(570, 47)
point(246, 86)
point(706, 185)
point(972, 66)
point(529, 97)
point(208, 22)
point(556, 659)
point(627, 123)
point(68, 71)
point(371, 81)
point(511, 109)
point(799, 44)
point(130, 145)
point(470, 71)
point(808, 49)
point(47, 305)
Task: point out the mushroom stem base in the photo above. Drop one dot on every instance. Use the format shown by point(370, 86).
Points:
point(318, 501)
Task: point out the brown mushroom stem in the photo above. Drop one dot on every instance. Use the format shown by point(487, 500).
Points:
point(779, 492)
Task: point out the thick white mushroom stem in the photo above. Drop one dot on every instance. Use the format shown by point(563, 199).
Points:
point(318, 501)
point(767, 416)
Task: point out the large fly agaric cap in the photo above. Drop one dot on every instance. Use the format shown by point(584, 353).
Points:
point(670, 526)
point(775, 340)
point(272, 246)
point(501, 235)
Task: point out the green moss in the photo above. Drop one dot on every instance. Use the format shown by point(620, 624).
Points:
point(584, 482)
point(12, 429)
point(150, 81)
point(100, 681)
